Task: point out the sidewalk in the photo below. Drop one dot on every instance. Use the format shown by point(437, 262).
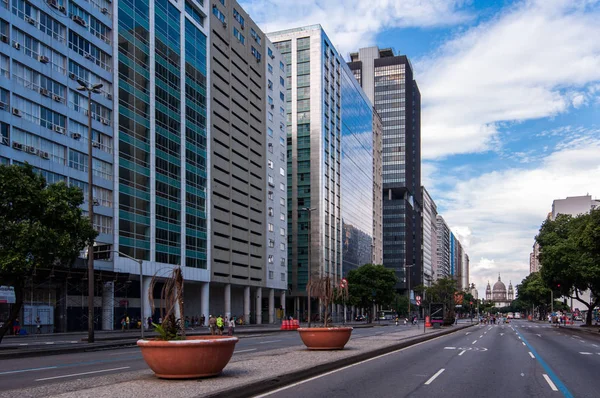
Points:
point(62, 343)
point(245, 375)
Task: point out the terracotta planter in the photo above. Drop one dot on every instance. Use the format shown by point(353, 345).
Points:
point(196, 356)
point(325, 338)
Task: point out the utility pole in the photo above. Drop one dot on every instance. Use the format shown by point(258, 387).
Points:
point(90, 88)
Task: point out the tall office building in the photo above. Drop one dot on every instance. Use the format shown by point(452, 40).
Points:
point(248, 166)
point(388, 81)
point(45, 47)
point(330, 158)
point(429, 238)
point(442, 249)
point(534, 258)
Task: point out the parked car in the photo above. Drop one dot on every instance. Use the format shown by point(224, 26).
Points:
point(359, 318)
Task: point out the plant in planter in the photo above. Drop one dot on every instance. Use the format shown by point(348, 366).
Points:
point(172, 354)
point(327, 337)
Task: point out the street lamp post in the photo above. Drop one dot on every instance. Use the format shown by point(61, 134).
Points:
point(141, 263)
point(309, 211)
point(90, 88)
point(344, 285)
point(408, 284)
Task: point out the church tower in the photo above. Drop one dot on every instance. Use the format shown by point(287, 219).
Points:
point(488, 292)
point(511, 293)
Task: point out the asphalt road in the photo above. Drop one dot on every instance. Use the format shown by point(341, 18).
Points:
point(523, 359)
point(28, 372)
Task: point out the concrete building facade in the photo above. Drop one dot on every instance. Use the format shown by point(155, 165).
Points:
point(388, 81)
point(442, 249)
point(429, 238)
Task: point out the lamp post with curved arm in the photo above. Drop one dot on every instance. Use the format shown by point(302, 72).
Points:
point(90, 88)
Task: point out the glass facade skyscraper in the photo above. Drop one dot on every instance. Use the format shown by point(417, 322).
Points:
point(330, 159)
point(388, 81)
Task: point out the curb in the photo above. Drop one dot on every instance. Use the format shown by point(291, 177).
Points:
point(273, 383)
point(106, 344)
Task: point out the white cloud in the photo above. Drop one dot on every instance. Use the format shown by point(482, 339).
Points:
point(499, 213)
point(352, 24)
point(534, 60)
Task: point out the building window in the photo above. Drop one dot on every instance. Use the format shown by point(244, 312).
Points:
point(271, 243)
point(281, 111)
point(282, 201)
point(270, 116)
point(281, 96)
point(281, 141)
point(270, 274)
point(270, 68)
point(239, 35)
point(282, 246)
point(270, 195)
point(271, 182)
point(271, 211)
point(270, 259)
point(282, 66)
point(282, 231)
point(255, 36)
point(270, 163)
point(222, 2)
point(217, 13)
point(282, 186)
point(270, 52)
point(271, 227)
point(282, 216)
point(256, 53)
point(282, 262)
point(238, 17)
point(281, 171)
point(283, 277)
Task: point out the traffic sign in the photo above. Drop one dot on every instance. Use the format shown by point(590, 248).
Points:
point(418, 300)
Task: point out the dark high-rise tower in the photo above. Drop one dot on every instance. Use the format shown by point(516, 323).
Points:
point(388, 81)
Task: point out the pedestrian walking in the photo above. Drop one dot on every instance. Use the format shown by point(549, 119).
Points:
point(396, 321)
point(212, 324)
point(127, 321)
point(38, 325)
point(202, 319)
point(231, 325)
point(16, 327)
point(149, 322)
point(220, 325)
point(123, 324)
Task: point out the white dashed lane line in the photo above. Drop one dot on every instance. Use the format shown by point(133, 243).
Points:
point(439, 372)
point(550, 383)
point(474, 342)
point(531, 355)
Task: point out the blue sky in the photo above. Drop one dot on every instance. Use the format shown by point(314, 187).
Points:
point(511, 104)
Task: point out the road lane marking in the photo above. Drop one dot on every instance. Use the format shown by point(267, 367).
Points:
point(550, 383)
point(270, 341)
point(462, 352)
point(468, 333)
point(480, 336)
point(50, 342)
point(439, 372)
point(585, 353)
point(26, 370)
point(474, 342)
point(522, 343)
point(82, 374)
point(501, 334)
point(248, 350)
point(531, 355)
point(125, 353)
point(449, 348)
point(556, 381)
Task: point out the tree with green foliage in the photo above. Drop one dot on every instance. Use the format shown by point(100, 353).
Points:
point(371, 284)
point(533, 292)
point(442, 291)
point(570, 257)
point(40, 226)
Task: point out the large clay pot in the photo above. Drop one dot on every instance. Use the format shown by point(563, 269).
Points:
point(325, 338)
point(196, 356)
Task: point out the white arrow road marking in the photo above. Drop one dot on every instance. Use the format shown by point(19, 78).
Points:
point(439, 372)
point(550, 383)
point(531, 355)
point(462, 352)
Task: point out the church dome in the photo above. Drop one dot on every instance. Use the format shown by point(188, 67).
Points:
point(499, 286)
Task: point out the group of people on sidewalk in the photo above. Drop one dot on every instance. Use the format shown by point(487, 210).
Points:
point(217, 325)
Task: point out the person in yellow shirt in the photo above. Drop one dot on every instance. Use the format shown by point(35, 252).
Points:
point(220, 325)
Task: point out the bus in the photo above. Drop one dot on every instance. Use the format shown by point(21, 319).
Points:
point(387, 315)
